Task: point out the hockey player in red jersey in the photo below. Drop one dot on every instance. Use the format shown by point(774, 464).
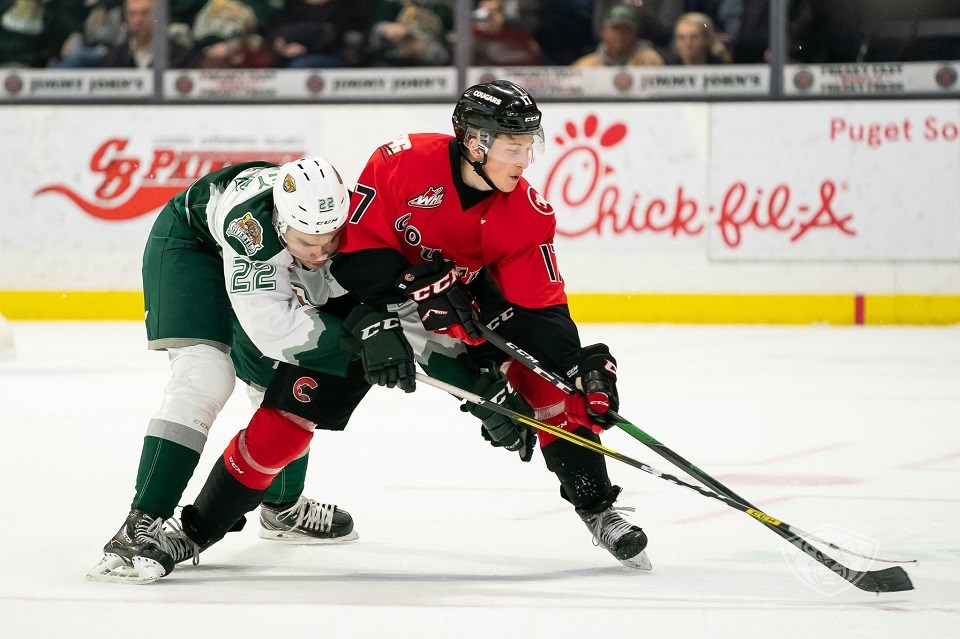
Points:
point(449, 228)
point(443, 233)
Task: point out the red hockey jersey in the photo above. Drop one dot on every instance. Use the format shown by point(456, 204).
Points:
point(406, 200)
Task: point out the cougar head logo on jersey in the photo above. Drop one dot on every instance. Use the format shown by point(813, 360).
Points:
point(429, 199)
point(289, 186)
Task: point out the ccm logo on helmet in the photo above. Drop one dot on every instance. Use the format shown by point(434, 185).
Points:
point(301, 386)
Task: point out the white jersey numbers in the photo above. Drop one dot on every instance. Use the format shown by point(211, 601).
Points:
point(252, 276)
point(401, 143)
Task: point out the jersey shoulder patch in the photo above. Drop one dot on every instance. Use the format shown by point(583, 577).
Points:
point(537, 201)
point(395, 146)
point(248, 228)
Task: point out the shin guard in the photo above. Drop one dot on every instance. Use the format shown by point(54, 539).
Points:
point(260, 451)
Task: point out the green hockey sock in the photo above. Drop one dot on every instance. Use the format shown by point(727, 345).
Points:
point(165, 469)
point(288, 485)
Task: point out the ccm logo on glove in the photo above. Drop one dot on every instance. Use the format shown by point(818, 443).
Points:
point(390, 323)
point(434, 288)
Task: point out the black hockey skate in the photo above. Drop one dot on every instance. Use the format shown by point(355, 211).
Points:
point(622, 539)
point(306, 522)
point(142, 551)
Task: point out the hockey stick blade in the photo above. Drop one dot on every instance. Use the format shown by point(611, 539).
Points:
point(893, 579)
point(887, 580)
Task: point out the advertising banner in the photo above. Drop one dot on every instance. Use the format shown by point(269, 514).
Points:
point(242, 85)
point(634, 83)
point(835, 181)
point(654, 197)
point(873, 78)
point(75, 84)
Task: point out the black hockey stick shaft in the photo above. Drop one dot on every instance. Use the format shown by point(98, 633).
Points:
point(609, 452)
point(892, 579)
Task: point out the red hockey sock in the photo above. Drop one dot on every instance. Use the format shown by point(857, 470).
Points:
point(547, 400)
point(264, 447)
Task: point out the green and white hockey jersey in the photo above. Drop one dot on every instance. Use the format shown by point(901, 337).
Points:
point(273, 298)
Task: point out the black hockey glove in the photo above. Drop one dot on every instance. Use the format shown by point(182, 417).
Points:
point(499, 429)
point(594, 372)
point(385, 353)
point(444, 304)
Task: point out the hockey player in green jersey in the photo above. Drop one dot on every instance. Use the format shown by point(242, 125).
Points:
point(234, 272)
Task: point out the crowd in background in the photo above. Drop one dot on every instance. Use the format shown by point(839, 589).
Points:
point(388, 33)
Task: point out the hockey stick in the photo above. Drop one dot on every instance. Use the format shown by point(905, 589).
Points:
point(603, 450)
point(893, 579)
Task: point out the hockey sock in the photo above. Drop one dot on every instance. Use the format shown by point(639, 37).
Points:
point(260, 451)
point(547, 401)
point(584, 481)
point(288, 485)
point(221, 504)
point(164, 471)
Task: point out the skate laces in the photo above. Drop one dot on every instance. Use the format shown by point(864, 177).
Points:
point(609, 526)
point(176, 544)
point(309, 514)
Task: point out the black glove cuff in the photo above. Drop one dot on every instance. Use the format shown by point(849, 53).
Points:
point(590, 358)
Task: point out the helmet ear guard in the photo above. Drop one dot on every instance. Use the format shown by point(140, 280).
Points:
point(309, 196)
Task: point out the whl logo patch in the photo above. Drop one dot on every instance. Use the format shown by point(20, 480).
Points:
point(429, 199)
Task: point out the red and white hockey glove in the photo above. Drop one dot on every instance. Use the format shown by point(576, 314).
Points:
point(444, 304)
point(594, 373)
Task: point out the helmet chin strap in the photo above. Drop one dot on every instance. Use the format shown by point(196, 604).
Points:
point(478, 166)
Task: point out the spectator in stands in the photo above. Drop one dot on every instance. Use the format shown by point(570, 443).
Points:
point(620, 42)
point(499, 43)
point(225, 34)
point(32, 32)
point(658, 17)
point(564, 33)
point(137, 48)
point(750, 46)
point(695, 42)
point(103, 28)
point(408, 33)
point(317, 33)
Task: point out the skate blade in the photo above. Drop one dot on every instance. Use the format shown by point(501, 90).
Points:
point(112, 569)
point(638, 562)
point(289, 537)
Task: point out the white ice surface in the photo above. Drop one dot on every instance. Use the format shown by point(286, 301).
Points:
point(851, 433)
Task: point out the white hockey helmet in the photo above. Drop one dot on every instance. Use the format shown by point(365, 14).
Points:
point(309, 196)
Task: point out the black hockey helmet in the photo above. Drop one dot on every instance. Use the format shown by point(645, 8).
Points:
point(497, 107)
point(492, 109)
